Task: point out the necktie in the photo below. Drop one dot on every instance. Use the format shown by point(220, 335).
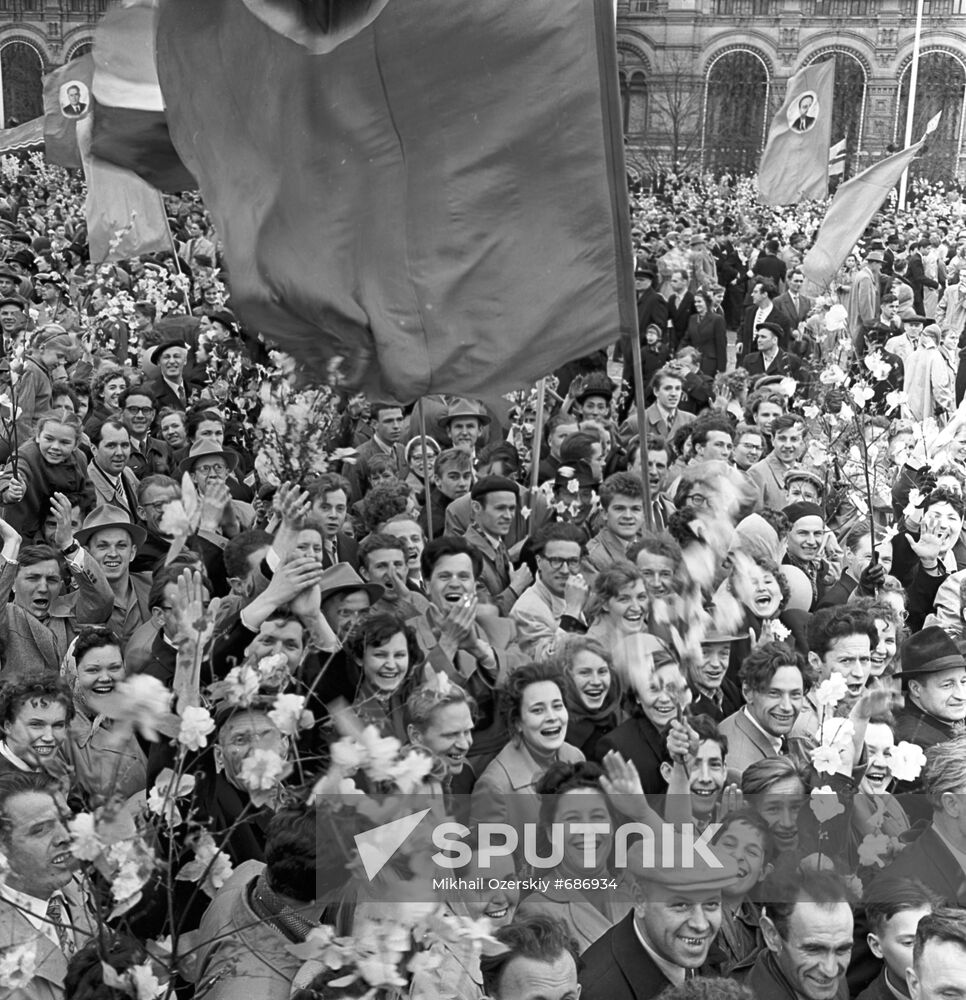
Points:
point(182, 396)
point(55, 914)
point(503, 563)
point(783, 749)
point(331, 552)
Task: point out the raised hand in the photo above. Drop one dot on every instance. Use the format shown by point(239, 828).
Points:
point(60, 507)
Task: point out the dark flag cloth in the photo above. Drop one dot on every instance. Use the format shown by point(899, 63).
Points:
point(130, 126)
point(318, 25)
point(440, 200)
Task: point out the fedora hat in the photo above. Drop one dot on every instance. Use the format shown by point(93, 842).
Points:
point(464, 408)
point(207, 449)
point(929, 651)
point(108, 516)
point(342, 577)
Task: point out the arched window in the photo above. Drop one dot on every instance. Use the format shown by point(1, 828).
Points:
point(848, 104)
point(634, 103)
point(633, 79)
point(736, 99)
point(21, 71)
point(941, 86)
point(80, 50)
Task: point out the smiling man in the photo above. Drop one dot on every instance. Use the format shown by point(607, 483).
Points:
point(773, 682)
point(113, 482)
point(556, 598)
point(807, 924)
point(806, 543)
point(666, 938)
point(34, 714)
point(788, 439)
point(112, 541)
point(620, 498)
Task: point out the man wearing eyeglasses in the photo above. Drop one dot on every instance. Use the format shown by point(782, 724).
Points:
point(553, 606)
point(149, 456)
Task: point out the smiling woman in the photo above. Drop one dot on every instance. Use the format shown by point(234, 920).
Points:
point(34, 714)
point(104, 765)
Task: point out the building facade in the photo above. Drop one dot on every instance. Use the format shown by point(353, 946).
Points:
point(701, 79)
point(35, 37)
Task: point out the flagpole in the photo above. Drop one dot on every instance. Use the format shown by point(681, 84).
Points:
point(911, 110)
point(426, 472)
point(537, 440)
point(642, 428)
point(174, 252)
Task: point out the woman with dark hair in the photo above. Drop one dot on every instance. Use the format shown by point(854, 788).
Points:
point(571, 794)
point(534, 711)
point(107, 387)
point(591, 691)
point(706, 333)
point(618, 614)
point(103, 765)
point(653, 704)
point(382, 654)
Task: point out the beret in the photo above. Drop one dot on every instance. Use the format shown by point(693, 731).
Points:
point(493, 484)
point(796, 511)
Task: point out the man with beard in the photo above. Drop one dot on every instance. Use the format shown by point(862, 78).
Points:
point(556, 598)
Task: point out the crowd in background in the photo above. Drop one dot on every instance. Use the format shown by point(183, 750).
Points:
point(234, 601)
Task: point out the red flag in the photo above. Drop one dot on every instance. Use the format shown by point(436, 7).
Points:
point(440, 199)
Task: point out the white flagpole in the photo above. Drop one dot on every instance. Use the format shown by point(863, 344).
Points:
point(911, 109)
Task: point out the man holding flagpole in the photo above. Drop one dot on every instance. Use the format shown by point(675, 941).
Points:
point(794, 166)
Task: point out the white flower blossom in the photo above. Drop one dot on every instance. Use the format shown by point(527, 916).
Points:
point(907, 761)
point(825, 804)
point(209, 864)
point(874, 849)
point(196, 725)
point(18, 964)
point(85, 843)
point(290, 715)
point(830, 692)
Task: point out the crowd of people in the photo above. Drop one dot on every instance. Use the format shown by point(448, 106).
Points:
point(245, 614)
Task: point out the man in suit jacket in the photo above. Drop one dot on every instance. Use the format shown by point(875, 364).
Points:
point(773, 685)
point(769, 265)
point(791, 302)
point(770, 359)
point(930, 856)
point(388, 422)
point(680, 308)
point(42, 904)
point(330, 504)
point(666, 938)
point(664, 416)
point(494, 501)
point(763, 310)
point(168, 388)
